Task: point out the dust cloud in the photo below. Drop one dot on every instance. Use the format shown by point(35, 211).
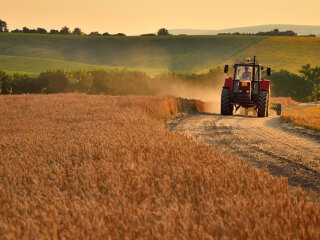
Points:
point(208, 94)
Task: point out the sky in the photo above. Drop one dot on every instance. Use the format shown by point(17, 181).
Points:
point(134, 17)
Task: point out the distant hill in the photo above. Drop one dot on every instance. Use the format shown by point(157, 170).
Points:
point(33, 53)
point(299, 29)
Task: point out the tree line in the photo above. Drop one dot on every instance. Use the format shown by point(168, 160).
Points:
point(76, 31)
point(274, 32)
point(302, 87)
point(64, 30)
point(112, 81)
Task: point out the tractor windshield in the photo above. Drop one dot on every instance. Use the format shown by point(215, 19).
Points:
point(244, 73)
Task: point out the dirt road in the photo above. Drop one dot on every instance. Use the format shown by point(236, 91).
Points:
point(284, 149)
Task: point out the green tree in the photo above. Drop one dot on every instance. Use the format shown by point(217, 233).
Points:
point(41, 30)
point(82, 81)
point(100, 82)
point(94, 34)
point(54, 31)
point(286, 84)
point(77, 31)
point(65, 30)
point(119, 35)
point(25, 30)
point(312, 76)
point(3, 26)
point(54, 81)
point(5, 83)
point(163, 32)
point(22, 83)
point(16, 31)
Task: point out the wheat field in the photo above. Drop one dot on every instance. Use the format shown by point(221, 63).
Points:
point(74, 166)
point(306, 117)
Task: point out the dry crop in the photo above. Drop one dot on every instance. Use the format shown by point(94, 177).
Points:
point(74, 166)
point(306, 117)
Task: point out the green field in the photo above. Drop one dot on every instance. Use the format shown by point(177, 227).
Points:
point(151, 54)
point(288, 53)
point(33, 53)
point(33, 65)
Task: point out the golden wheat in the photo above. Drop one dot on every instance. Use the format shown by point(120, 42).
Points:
point(306, 117)
point(74, 166)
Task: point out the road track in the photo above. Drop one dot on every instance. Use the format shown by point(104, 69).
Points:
point(286, 150)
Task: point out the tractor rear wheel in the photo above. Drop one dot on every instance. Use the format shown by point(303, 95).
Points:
point(268, 104)
point(263, 104)
point(226, 107)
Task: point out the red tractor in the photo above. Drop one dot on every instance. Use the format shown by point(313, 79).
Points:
point(246, 89)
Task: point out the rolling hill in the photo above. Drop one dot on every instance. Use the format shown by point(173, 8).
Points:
point(34, 65)
point(288, 53)
point(34, 53)
point(151, 54)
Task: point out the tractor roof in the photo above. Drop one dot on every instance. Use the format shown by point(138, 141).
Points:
point(244, 63)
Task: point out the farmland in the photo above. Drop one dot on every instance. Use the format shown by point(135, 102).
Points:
point(32, 66)
point(33, 53)
point(288, 53)
point(306, 117)
point(79, 166)
point(151, 54)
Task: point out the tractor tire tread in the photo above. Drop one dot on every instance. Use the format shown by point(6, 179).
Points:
point(226, 108)
point(263, 104)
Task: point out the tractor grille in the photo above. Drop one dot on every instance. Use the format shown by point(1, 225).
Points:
point(244, 97)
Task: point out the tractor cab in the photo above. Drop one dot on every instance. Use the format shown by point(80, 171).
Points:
point(244, 72)
point(246, 89)
point(247, 76)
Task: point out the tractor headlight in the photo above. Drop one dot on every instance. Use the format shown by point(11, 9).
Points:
point(240, 90)
point(248, 91)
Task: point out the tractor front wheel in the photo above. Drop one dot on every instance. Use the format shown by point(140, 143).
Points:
point(263, 104)
point(226, 107)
